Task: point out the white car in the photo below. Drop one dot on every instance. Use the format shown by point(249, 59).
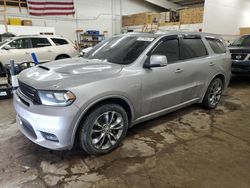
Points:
point(46, 48)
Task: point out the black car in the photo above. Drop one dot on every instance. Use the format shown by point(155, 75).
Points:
point(240, 50)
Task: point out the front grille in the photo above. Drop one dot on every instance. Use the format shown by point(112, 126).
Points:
point(239, 56)
point(243, 67)
point(29, 92)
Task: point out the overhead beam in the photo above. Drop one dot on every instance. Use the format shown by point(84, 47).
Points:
point(164, 4)
point(185, 3)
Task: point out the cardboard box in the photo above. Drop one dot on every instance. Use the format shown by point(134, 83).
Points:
point(244, 30)
point(165, 17)
point(141, 19)
point(154, 18)
point(14, 21)
point(27, 22)
point(170, 16)
point(192, 15)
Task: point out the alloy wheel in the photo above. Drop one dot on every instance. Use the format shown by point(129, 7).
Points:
point(107, 129)
point(215, 93)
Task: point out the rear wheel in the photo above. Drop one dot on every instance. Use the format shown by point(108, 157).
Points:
point(104, 129)
point(213, 94)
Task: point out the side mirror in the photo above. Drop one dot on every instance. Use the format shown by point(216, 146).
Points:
point(157, 61)
point(7, 47)
point(84, 51)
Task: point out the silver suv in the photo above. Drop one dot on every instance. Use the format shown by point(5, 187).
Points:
point(128, 79)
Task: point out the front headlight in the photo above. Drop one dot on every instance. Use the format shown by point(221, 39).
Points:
point(56, 98)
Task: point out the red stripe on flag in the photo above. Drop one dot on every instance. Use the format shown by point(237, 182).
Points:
point(51, 13)
point(51, 8)
point(50, 3)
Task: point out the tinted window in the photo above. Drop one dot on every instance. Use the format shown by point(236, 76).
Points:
point(217, 46)
point(193, 48)
point(40, 42)
point(169, 48)
point(20, 43)
point(59, 42)
point(120, 50)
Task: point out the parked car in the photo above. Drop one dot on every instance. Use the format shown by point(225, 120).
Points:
point(240, 50)
point(46, 48)
point(122, 81)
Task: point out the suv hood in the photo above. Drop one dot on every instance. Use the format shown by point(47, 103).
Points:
point(239, 49)
point(68, 73)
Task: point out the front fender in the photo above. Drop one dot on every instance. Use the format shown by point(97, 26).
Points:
point(84, 109)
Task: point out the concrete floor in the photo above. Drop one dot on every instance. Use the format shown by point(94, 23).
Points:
point(192, 147)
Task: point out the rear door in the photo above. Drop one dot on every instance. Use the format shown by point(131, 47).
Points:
point(64, 46)
point(196, 65)
point(220, 57)
point(42, 48)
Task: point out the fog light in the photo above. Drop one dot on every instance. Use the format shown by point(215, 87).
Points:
point(49, 136)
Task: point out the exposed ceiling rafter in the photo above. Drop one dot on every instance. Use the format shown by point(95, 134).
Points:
point(186, 2)
point(164, 4)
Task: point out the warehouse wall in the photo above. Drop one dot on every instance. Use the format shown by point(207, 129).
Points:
point(90, 14)
point(226, 16)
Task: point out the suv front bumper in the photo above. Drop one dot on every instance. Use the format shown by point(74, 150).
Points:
point(241, 67)
point(39, 122)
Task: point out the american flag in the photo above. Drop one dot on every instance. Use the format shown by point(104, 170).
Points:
point(50, 7)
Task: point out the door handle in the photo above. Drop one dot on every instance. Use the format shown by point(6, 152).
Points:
point(211, 64)
point(50, 51)
point(27, 53)
point(178, 70)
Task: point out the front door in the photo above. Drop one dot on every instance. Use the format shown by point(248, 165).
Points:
point(43, 49)
point(162, 87)
point(20, 51)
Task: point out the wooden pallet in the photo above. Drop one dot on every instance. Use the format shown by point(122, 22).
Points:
point(3, 12)
point(3, 9)
point(15, 3)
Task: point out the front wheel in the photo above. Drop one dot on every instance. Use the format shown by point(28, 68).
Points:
point(104, 129)
point(213, 94)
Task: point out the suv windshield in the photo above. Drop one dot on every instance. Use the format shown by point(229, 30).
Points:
point(242, 41)
point(120, 50)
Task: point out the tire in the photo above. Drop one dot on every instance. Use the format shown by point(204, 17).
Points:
point(99, 133)
point(62, 57)
point(213, 94)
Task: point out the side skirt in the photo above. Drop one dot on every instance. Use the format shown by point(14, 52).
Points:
point(164, 111)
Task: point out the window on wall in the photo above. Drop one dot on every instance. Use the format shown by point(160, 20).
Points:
point(15, 3)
